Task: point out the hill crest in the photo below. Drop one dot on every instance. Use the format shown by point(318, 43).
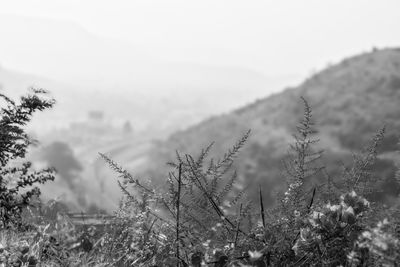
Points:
point(350, 100)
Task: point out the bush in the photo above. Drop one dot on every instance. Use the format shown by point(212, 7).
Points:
point(18, 177)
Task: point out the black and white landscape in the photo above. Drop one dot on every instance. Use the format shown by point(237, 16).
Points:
point(212, 133)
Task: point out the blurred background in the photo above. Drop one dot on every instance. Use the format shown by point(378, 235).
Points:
point(137, 80)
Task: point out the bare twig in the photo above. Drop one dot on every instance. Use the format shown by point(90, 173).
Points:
point(262, 207)
point(237, 226)
point(177, 211)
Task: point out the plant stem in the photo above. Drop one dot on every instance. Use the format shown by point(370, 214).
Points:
point(262, 207)
point(177, 211)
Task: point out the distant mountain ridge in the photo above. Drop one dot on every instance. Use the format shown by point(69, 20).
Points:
point(181, 102)
point(120, 78)
point(64, 51)
point(350, 101)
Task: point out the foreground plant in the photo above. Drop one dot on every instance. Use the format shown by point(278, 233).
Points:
point(195, 216)
point(16, 175)
point(327, 234)
point(377, 245)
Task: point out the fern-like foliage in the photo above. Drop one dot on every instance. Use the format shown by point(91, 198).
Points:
point(198, 203)
point(301, 165)
point(358, 176)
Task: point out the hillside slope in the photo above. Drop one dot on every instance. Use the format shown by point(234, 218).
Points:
point(350, 100)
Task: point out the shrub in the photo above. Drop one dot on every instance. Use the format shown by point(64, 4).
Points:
point(16, 176)
point(327, 234)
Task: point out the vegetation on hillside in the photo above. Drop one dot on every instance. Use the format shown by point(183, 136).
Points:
point(350, 100)
point(204, 218)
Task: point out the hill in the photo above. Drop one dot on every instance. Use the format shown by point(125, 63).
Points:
point(351, 101)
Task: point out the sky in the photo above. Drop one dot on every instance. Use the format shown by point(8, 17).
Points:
point(271, 37)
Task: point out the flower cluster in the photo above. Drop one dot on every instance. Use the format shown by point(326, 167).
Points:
point(331, 225)
point(16, 254)
point(291, 188)
point(380, 243)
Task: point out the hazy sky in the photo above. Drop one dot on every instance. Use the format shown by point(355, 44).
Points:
point(270, 36)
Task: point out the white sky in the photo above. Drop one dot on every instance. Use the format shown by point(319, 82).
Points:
point(270, 36)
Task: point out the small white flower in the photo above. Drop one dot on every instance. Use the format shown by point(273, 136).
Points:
point(295, 248)
point(365, 202)
point(313, 222)
point(304, 232)
point(207, 243)
point(352, 255)
point(383, 223)
point(367, 235)
point(162, 236)
point(316, 215)
point(227, 204)
point(255, 255)
point(349, 210)
point(380, 243)
point(229, 246)
point(333, 207)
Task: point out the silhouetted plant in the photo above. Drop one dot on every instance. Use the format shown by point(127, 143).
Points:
point(16, 176)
